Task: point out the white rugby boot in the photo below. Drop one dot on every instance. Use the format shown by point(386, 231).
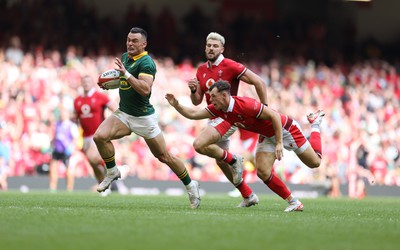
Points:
point(316, 117)
point(194, 194)
point(249, 201)
point(295, 206)
point(111, 175)
point(237, 170)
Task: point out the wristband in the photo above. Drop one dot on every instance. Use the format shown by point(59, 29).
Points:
point(193, 91)
point(127, 75)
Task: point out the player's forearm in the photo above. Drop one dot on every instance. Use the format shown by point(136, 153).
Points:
point(261, 90)
point(196, 99)
point(253, 79)
point(141, 86)
point(277, 125)
point(186, 111)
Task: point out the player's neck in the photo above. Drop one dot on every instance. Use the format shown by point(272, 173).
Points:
point(88, 92)
point(216, 61)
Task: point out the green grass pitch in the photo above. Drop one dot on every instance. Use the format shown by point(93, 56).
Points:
point(80, 220)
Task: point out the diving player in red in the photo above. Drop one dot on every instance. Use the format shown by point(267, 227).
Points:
point(217, 68)
point(276, 131)
point(89, 109)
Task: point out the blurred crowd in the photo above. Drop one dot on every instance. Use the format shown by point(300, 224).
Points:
point(42, 58)
point(360, 132)
point(255, 32)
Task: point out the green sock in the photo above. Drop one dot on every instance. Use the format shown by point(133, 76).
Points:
point(184, 177)
point(110, 162)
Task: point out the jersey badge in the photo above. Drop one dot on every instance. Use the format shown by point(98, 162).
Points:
point(220, 73)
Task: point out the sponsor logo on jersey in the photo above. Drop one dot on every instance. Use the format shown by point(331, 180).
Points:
point(209, 82)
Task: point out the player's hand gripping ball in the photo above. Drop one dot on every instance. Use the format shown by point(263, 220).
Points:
point(109, 79)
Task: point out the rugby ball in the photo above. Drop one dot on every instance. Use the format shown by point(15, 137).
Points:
point(109, 79)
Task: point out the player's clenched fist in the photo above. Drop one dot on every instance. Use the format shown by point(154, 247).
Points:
point(193, 83)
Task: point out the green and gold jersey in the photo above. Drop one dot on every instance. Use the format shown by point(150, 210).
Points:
point(131, 102)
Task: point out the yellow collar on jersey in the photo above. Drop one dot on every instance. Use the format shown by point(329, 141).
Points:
point(139, 56)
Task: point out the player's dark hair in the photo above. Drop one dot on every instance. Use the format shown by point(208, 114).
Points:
point(221, 85)
point(139, 30)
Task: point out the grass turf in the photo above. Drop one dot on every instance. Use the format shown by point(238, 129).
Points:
point(39, 220)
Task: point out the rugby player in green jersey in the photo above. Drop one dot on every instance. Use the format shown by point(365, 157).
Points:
point(136, 114)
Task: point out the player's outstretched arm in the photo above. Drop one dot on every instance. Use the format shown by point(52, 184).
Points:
point(190, 113)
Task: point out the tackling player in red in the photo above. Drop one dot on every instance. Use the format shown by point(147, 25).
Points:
point(277, 131)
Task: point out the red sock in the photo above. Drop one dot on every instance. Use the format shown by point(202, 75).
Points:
point(277, 186)
point(244, 174)
point(244, 189)
point(227, 157)
point(315, 141)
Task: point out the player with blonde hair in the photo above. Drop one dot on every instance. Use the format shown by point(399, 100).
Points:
point(217, 67)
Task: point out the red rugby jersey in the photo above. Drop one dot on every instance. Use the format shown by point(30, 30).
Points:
point(90, 111)
point(243, 112)
point(223, 69)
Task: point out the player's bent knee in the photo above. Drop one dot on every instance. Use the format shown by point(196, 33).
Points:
point(263, 175)
point(100, 137)
point(199, 147)
point(97, 138)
